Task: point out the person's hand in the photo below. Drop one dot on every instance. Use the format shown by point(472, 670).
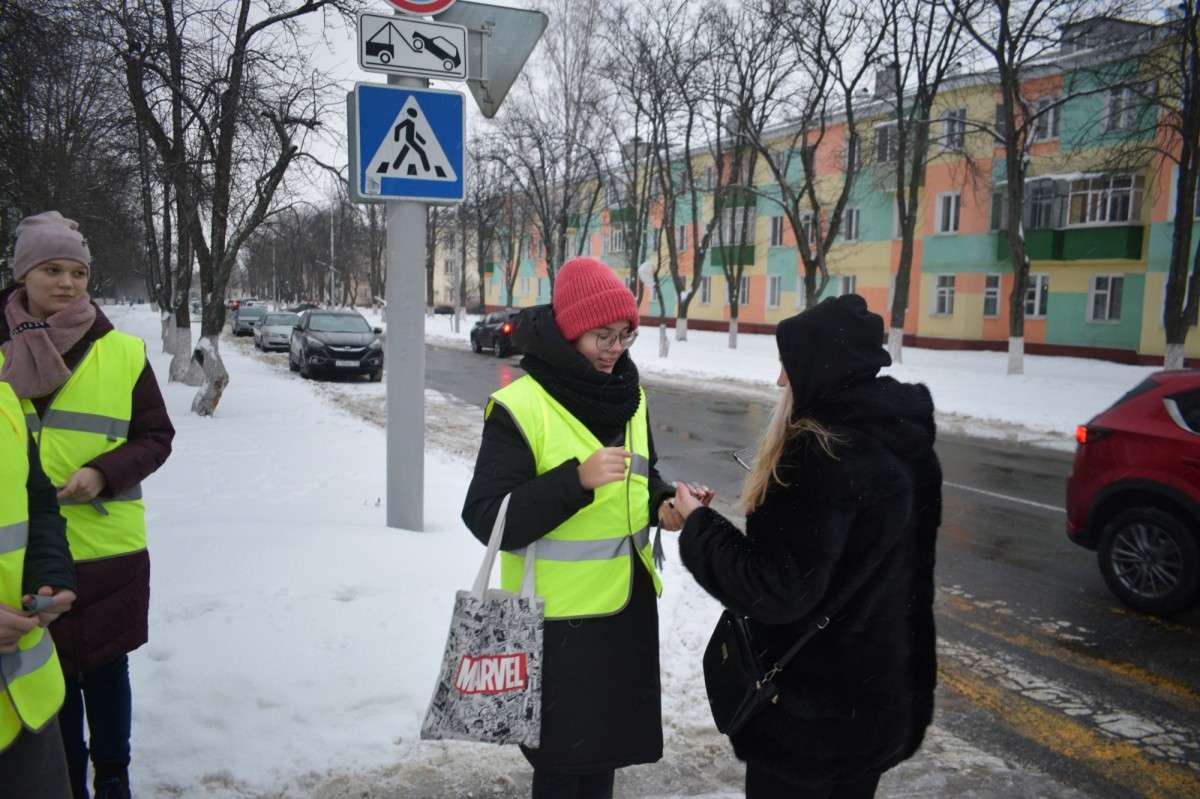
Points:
point(702, 493)
point(83, 486)
point(605, 465)
point(685, 500)
point(668, 517)
point(63, 599)
point(13, 625)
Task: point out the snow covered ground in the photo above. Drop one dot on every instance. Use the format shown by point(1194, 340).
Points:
point(971, 390)
point(295, 638)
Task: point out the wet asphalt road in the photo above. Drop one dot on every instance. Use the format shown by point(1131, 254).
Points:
point(1039, 663)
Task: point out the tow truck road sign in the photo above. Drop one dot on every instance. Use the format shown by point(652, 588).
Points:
point(410, 46)
point(406, 144)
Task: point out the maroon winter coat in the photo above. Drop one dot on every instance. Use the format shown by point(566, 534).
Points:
point(110, 617)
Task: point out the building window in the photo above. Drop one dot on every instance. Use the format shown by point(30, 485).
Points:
point(809, 229)
point(524, 289)
point(1001, 124)
point(710, 176)
point(1105, 199)
point(943, 296)
point(732, 221)
point(777, 231)
point(885, 143)
point(954, 129)
point(681, 238)
point(542, 286)
point(612, 194)
point(1044, 206)
point(613, 242)
point(849, 284)
point(541, 249)
point(948, 212)
point(744, 290)
point(850, 224)
point(852, 153)
point(1045, 125)
point(705, 290)
point(1121, 108)
point(991, 296)
point(1037, 296)
point(774, 290)
point(1105, 304)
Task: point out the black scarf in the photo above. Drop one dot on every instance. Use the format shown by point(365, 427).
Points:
point(602, 402)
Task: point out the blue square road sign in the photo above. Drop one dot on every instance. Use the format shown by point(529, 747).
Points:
point(408, 143)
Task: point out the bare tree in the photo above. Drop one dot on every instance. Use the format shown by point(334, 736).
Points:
point(255, 98)
point(924, 45)
point(1021, 39)
point(485, 197)
point(513, 236)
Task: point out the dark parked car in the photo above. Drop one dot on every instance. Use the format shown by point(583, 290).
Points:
point(494, 332)
point(1134, 493)
point(244, 318)
point(303, 306)
point(341, 342)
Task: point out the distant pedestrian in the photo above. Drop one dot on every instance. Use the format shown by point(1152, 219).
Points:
point(845, 486)
point(34, 563)
point(96, 411)
point(571, 442)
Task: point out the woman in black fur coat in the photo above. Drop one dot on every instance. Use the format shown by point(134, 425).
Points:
point(845, 475)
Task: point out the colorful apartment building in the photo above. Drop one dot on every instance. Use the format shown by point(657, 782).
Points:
point(1099, 240)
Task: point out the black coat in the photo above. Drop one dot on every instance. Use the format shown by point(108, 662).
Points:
point(859, 695)
point(601, 706)
point(47, 555)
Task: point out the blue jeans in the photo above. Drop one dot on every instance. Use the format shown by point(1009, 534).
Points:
point(106, 695)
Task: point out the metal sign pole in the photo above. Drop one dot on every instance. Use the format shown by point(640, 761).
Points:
point(404, 356)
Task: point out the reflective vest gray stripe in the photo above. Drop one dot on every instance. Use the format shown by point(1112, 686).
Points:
point(27, 661)
point(33, 422)
point(107, 426)
point(640, 465)
point(597, 549)
point(14, 536)
point(128, 495)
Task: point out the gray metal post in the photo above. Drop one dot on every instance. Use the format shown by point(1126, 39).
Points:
point(404, 356)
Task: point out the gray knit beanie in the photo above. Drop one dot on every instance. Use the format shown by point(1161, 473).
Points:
point(48, 237)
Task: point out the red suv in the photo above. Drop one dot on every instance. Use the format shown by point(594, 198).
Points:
point(1134, 492)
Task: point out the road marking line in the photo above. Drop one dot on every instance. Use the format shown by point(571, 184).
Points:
point(1006, 497)
point(1119, 762)
point(964, 611)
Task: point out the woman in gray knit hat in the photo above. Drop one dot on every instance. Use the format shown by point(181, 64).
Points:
point(94, 407)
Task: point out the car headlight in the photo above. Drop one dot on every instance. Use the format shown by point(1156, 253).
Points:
point(375, 344)
point(316, 342)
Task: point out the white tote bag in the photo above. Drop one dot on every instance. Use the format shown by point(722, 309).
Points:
point(490, 685)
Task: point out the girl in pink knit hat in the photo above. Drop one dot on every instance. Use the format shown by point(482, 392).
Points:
point(571, 443)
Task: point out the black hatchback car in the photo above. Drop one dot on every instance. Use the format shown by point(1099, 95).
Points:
point(335, 342)
point(494, 332)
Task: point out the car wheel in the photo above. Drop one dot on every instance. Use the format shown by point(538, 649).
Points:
point(475, 346)
point(292, 361)
point(376, 376)
point(418, 44)
point(1150, 560)
point(501, 349)
point(448, 65)
point(304, 370)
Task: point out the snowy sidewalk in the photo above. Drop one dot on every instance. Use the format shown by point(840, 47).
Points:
point(974, 396)
point(295, 638)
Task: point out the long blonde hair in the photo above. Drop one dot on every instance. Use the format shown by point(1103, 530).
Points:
point(780, 430)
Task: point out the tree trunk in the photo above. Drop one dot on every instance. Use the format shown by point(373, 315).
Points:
point(895, 344)
point(168, 330)
point(664, 342)
point(681, 328)
point(1016, 355)
point(216, 378)
point(184, 368)
point(1174, 357)
point(733, 331)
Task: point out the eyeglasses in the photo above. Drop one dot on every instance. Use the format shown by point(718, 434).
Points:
point(605, 341)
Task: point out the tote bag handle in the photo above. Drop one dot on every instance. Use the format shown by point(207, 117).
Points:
point(493, 549)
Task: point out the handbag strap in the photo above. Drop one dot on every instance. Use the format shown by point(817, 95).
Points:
point(493, 550)
point(830, 609)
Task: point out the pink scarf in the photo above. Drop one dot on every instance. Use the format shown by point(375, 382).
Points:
point(33, 363)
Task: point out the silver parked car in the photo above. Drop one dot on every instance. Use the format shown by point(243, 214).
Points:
point(274, 330)
point(244, 318)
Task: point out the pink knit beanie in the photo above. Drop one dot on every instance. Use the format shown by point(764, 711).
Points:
point(587, 295)
point(48, 237)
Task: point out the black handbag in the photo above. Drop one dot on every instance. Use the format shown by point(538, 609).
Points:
point(738, 682)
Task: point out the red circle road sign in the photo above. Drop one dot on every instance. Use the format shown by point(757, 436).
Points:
point(422, 6)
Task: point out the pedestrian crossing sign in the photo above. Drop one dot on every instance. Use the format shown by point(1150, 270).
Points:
point(406, 144)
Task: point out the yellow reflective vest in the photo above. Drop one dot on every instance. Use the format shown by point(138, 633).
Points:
point(31, 681)
point(584, 567)
point(87, 417)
